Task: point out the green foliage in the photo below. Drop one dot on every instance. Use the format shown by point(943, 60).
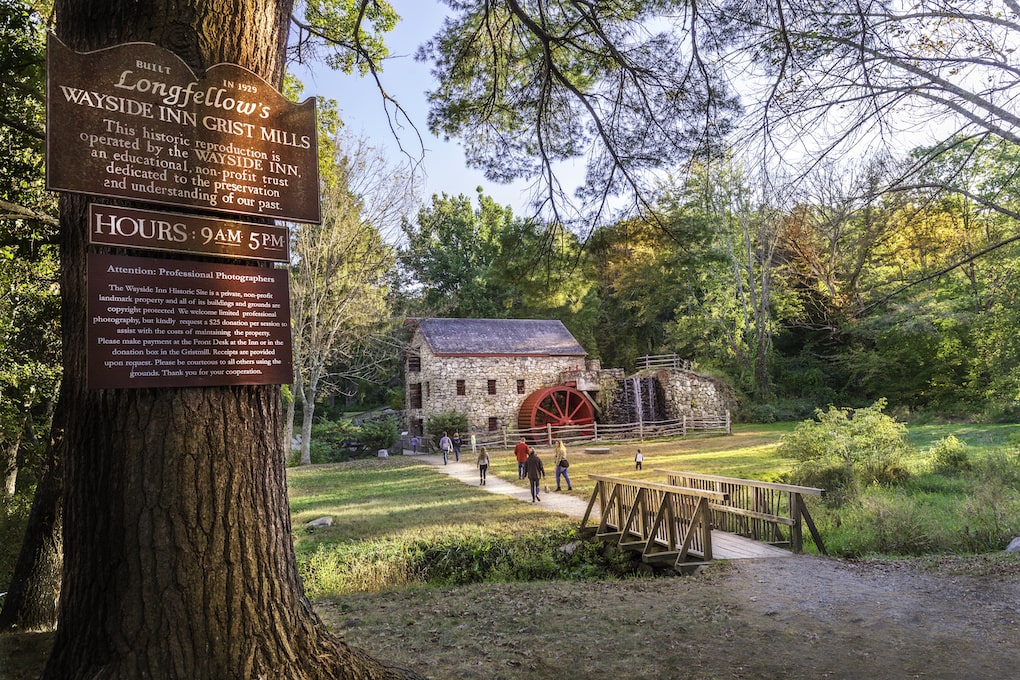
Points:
point(884, 524)
point(949, 454)
point(482, 262)
point(30, 364)
point(552, 554)
point(869, 446)
point(335, 21)
point(335, 441)
point(14, 512)
point(526, 85)
point(548, 555)
point(780, 410)
point(379, 434)
point(445, 421)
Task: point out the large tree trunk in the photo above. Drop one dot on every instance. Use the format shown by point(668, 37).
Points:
point(31, 602)
point(178, 559)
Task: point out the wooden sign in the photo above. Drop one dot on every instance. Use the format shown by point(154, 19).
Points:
point(133, 121)
point(173, 232)
point(175, 323)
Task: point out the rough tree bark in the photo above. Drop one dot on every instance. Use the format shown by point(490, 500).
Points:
point(178, 560)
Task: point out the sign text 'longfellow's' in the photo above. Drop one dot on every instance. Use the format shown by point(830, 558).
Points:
point(133, 121)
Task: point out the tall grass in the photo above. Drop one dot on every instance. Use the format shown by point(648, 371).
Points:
point(970, 508)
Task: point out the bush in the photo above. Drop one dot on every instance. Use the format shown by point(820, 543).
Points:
point(336, 441)
point(882, 524)
point(445, 421)
point(379, 434)
point(14, 511)
point(368, 567)
point(868, 444)
point(992, 516)
point(949, 455)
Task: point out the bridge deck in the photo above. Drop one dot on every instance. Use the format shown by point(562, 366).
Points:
point(727, 546)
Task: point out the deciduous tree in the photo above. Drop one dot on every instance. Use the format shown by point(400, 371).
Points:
point(340, 278)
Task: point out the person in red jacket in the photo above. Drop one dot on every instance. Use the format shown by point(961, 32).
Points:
point(521, 454)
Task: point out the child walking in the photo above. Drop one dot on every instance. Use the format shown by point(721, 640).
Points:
point(483, 465)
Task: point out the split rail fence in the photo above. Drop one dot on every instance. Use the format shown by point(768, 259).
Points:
point(598, 432)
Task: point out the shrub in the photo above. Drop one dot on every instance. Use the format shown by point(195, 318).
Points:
point(379, 434)
point(336, 441)
point(949, 455)
point(869, 445)
point(1000, 466)
point(445, 421)
point(992, 516)
point(14, 511)
point(881, 524)
point(373, 566)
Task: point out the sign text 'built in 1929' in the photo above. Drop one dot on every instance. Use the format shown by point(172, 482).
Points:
point(172, 323)
point(133, 121)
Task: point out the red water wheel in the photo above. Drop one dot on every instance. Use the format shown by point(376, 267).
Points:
point(559, 406)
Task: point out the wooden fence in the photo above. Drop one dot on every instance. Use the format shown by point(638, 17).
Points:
point(766, 511)
point(670, 361)
point(597, 432)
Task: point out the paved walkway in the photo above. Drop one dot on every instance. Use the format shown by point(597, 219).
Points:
point(551, 500)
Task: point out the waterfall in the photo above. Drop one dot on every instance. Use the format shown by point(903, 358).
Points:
point(638, 399)
point(638, 407)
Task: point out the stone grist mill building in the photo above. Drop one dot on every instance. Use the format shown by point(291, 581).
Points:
point(530, 373)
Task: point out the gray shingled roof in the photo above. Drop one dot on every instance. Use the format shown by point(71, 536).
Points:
point(534, 337)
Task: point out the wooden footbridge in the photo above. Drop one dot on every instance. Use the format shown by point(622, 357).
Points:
point(691, 519)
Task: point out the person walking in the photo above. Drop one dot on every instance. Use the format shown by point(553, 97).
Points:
point(638, 459)
point(561, 463)
point(414, 445)
point(535, 471)
point(521, 454)
point(445, 445)
point(456, 446)
point(483, 465)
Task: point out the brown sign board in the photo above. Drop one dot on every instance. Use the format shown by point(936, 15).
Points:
point(173, 232)
point(175, 323)
point(133, 121)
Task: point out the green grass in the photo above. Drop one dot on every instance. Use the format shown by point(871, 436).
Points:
point(397, 522)
point(979, 438)
point(397, 499)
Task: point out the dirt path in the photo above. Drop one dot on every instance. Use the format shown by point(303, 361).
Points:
point(801, 617)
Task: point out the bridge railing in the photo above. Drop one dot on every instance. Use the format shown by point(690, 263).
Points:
point(766, 511)
point(661, 521)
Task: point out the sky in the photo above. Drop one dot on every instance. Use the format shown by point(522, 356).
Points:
point(361, 109)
